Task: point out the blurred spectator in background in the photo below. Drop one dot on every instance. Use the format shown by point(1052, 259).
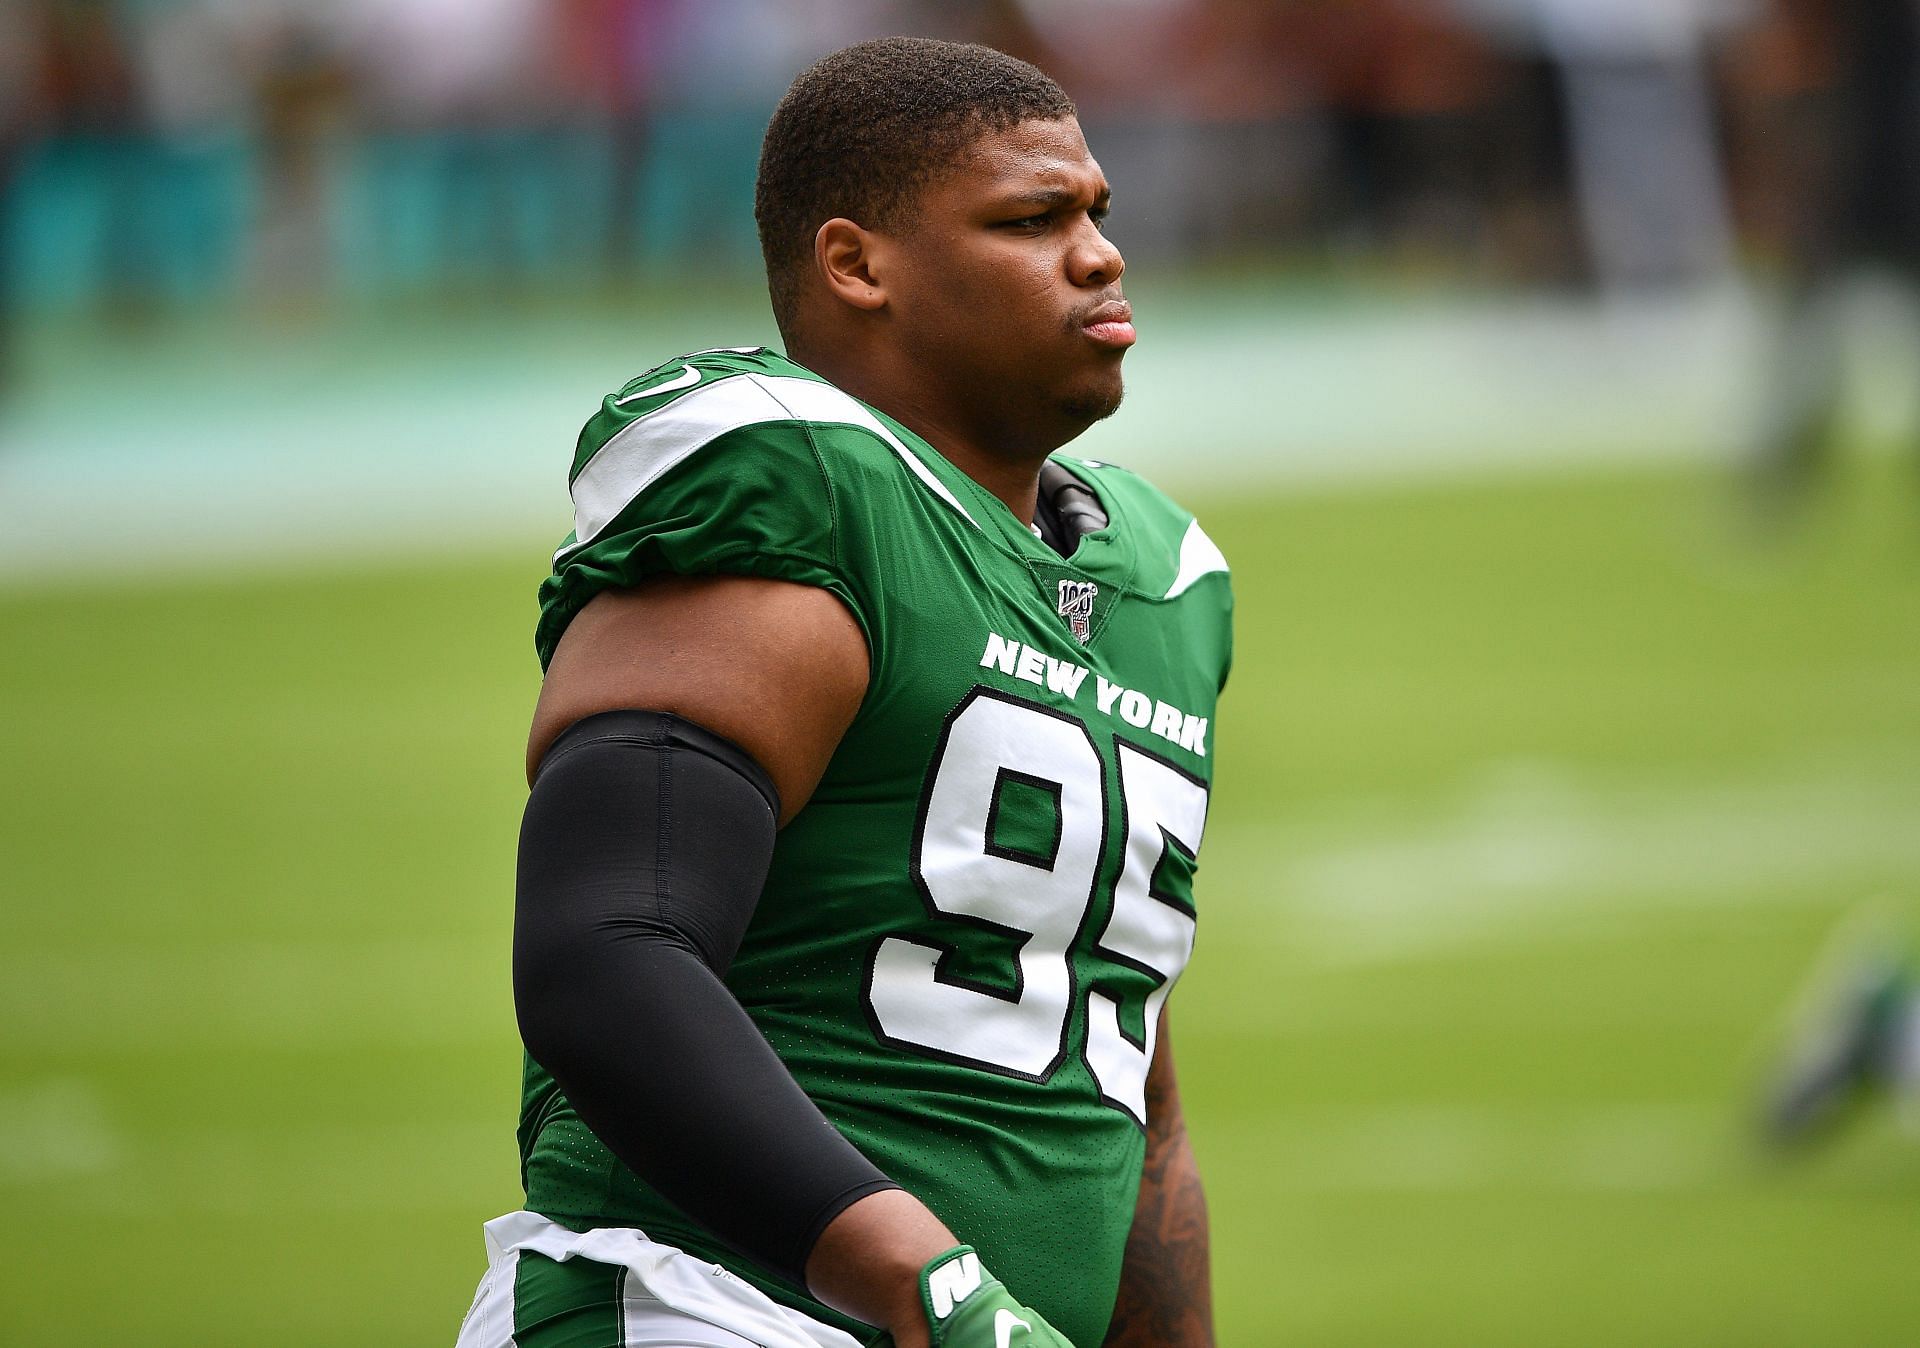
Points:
point(21, 101)
point(720, 67)
point(186, 152)
point(1831, 90)
point(302, 88)
point(1856, 1039)
point(1417, 93)
point(134, 192)
point(611, 52)
point(452, 189)
point(76, 208)
point(156, 152)
point(1640, 126)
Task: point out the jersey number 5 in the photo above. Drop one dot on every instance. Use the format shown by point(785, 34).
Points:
point(1037, 896)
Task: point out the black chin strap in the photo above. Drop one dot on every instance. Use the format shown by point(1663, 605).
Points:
point(1066, 511)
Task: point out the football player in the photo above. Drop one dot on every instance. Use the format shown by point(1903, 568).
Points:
point(1855, 1036)
point(868, 778)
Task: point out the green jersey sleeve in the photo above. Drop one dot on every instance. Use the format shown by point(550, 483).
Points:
point(698, 469)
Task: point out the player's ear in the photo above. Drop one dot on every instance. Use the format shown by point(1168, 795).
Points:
point(844, 254)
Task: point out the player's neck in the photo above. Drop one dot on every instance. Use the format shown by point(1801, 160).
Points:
point(1013, 479)
point(1009, 472)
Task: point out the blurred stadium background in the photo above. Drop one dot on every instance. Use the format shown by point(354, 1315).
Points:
point(1547, 368)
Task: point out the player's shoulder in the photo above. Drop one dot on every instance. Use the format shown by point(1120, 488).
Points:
point(733, 461)
point(1173, 554)
point(681, 406)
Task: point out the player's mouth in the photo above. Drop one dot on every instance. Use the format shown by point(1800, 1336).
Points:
point(1111, 325)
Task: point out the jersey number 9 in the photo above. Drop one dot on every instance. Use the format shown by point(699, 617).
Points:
point(1039, 894)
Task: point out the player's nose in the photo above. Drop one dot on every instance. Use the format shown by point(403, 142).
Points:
point(1095, 260)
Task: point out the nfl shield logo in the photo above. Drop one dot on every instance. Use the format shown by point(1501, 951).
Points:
point(1076, 606)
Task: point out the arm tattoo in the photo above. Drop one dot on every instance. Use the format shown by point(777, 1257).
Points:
point(1165, 1298)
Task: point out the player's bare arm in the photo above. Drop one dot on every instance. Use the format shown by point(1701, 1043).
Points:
point(1166, 1296)
point(779, 669)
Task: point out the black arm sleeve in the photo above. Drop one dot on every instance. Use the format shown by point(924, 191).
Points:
point(644, 848)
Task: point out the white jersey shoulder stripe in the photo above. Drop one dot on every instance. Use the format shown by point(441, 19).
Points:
point(1199, 556)
point(807, 400)
point(649, 446)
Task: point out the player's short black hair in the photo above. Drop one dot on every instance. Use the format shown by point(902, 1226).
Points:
point(861, 131)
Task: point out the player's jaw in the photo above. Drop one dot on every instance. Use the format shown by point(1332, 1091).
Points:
point(1103, 329)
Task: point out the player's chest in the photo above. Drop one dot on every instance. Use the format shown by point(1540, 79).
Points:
point(1049, 794)
point(1060, 643)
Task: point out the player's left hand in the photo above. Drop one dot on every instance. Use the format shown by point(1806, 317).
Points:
point(967, 1307)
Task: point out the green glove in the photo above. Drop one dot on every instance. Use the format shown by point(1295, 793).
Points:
point(967, 1307)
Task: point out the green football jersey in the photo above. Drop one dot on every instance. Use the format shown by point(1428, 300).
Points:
point(967, 935)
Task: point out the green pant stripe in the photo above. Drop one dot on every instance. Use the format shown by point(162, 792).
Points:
point(571, 1304)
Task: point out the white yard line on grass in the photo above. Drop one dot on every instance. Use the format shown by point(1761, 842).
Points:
point(52, 1131)
point(1633, 1148)
point(1531, 846)
point(297, 993)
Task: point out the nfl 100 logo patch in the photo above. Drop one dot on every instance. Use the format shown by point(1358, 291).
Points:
point(1076, 606)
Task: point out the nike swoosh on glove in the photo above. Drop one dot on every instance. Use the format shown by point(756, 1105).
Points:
point(967, 1307)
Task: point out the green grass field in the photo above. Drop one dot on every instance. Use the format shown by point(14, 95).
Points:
point(1537, 800)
